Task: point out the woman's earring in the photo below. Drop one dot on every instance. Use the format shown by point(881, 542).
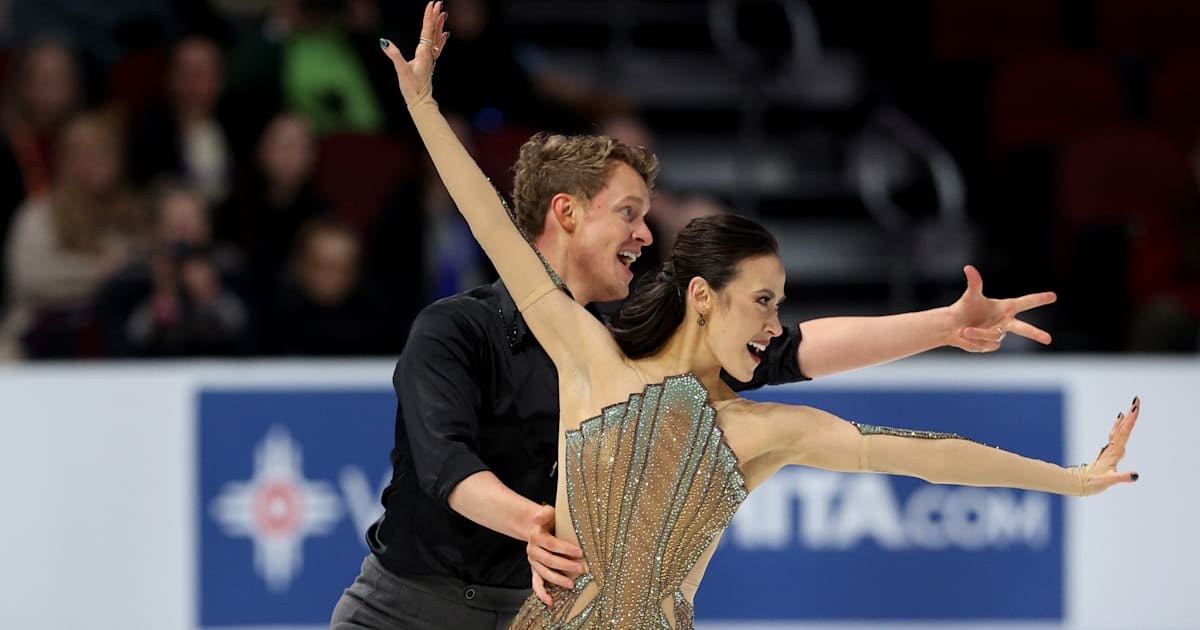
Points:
point(700, 320)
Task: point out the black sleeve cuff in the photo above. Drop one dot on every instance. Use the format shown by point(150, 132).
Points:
point(457, 467)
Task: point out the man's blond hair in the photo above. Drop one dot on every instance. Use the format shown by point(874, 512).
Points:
point(579, 165)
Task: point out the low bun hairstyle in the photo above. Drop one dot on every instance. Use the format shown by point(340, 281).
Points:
point(710, 247)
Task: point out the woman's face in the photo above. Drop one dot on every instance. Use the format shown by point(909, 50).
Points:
point(196, 77)
point(89, 157)
point(329, 267)
point(287, 151)
point(746, 315)
point(48, 84)
point(183, 217)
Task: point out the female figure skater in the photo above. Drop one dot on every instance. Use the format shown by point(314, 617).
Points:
point(657, 451)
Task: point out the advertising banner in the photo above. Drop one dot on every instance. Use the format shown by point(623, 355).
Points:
point(289, 480)
point(817, 545)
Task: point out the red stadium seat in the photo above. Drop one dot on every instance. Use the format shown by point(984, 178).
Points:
point(497, 151)
point(993, 29)
point(1050, 97)
point(358, 173)
point(1154, 28)
point(136, 81)
point(1174, 95)
point(1134, 178)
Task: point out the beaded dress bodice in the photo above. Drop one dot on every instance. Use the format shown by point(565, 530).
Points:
point(650, 482)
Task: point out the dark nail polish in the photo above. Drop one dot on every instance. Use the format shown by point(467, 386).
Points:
point(1134, 476)
point(383, 43)
point(1120, 414)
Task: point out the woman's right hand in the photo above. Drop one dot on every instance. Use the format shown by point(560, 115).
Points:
point(1102, 473)
point(414, 75)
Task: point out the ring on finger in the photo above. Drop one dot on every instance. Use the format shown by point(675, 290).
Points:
point(427, 42)
point(1002, 333)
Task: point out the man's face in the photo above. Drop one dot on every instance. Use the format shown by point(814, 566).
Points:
point(610, 236)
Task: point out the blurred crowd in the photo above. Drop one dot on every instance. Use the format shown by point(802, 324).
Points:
point(231, 179)
point(240, 177)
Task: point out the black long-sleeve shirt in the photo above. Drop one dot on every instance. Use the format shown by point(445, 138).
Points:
point(477, 392)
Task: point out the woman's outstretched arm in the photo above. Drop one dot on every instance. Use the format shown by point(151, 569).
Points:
point(816, 438)
point(555, 318)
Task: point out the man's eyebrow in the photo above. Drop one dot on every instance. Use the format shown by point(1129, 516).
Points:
point(640, 201)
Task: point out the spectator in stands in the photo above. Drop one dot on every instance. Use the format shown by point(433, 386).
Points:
point(64, 245)
point(326, 307)
point(184, 136)
point(177, 301)
point(273, 198)
point(42, 91)
point(308, 56)
point(323, 75)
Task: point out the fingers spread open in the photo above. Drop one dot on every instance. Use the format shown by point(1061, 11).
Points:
point(1034, 300)
point(1126, 426)
point(974, 280)
point(991, 334)
point(1029, 331)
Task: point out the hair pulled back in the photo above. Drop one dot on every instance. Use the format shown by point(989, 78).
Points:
point(710, 247)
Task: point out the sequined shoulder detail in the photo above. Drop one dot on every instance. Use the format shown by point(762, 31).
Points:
point(650, 483)
point(871, 429)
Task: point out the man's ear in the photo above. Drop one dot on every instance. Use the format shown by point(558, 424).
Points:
point(565, 210)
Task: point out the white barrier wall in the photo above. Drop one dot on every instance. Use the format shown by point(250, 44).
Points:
point(111, 474)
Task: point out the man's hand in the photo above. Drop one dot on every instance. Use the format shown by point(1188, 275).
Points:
point(551, 559)
point(980, 323)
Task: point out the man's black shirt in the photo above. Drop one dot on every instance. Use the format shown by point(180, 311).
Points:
point(476, 392)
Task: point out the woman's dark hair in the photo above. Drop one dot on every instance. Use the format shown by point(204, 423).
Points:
point(710, 247)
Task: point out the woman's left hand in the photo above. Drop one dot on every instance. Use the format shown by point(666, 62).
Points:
point(414, 75)
point(1103, 473)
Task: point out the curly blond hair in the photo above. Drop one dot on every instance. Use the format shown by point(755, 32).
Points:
point(552, 163)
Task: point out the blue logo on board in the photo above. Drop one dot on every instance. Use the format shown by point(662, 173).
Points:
point(289, 481)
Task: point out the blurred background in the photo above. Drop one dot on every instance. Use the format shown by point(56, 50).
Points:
point(223, 180)
point(238, 178)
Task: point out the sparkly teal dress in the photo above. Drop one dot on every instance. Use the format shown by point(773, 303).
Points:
point(650, 482)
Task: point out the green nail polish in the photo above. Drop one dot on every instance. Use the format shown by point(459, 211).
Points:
point(383, 43)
